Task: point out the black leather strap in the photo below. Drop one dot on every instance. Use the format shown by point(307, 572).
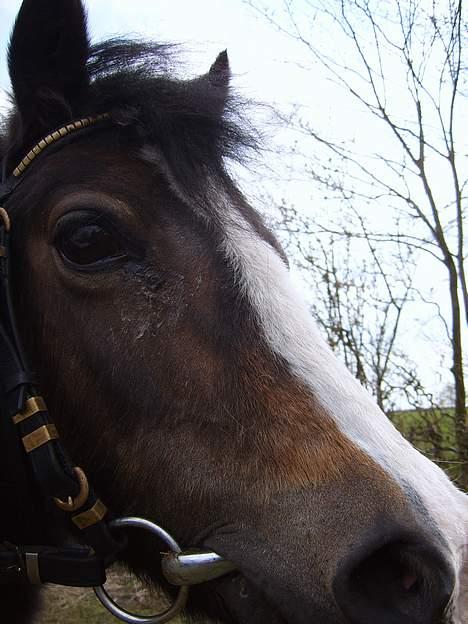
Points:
point(76, 567)
point(48, 460)
point(7, 187)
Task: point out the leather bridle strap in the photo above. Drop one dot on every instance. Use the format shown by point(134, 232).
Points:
point(53, 471)
point(75, 566)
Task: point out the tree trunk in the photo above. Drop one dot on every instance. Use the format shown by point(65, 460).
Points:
point(461, 428)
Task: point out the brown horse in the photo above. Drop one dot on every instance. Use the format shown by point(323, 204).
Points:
point(183, 370)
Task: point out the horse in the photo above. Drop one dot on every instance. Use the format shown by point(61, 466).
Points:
point(181, 366)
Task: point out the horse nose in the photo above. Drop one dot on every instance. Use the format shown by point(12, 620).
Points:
point(401, 581)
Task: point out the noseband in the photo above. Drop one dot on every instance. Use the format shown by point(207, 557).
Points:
point(33, 437)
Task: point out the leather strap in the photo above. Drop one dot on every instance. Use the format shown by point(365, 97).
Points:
point(43, 451)
point(75, 567)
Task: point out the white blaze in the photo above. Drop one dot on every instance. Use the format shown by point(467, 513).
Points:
point(291, 333)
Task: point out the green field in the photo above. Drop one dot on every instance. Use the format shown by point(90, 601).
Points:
point(431, 431)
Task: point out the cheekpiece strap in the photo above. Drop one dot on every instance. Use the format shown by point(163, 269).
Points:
point(22, 404)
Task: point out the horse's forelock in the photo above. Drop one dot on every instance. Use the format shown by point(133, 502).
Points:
point(196, 122)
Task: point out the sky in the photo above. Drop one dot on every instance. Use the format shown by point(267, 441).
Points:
point(266, 67)
point(204, 28)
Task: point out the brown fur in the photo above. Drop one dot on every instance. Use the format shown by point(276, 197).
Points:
point(155, 368)
point(213, 376)
point(164, 391)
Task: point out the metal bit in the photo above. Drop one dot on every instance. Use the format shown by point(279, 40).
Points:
point(191, 567)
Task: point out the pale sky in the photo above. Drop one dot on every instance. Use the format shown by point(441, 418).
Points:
point(204, 27)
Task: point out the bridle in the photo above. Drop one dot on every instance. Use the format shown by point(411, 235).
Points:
point(33, 437)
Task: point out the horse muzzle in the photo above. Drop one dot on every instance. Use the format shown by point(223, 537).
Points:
point(309, 568)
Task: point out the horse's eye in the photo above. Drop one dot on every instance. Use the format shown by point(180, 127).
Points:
point(88, 243)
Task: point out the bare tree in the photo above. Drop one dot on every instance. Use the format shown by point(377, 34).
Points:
point(404, 64)
point(358, 298)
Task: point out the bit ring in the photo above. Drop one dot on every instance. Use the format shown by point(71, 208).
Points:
point(126, 616)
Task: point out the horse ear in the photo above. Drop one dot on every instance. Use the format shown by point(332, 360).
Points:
point(211, 90)
point(220, 72)
point(219, 77)
point(47, 58)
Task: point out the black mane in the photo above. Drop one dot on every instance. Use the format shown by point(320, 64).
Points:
point(196, 123)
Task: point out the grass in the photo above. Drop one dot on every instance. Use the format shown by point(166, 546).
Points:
point(432, 431)
point(72, 605)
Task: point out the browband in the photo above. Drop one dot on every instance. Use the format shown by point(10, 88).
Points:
point(55, 136)
point(8, 184)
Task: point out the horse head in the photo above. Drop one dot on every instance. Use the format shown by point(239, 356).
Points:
point(180, 364)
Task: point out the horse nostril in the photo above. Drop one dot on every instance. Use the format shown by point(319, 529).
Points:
point(389, 576)
point(397, 583)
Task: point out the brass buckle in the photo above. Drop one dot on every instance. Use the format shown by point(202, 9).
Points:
point(72, 504)
point(4, 216)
